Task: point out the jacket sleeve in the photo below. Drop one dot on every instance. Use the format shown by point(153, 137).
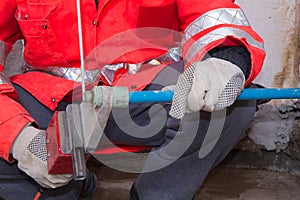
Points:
point(210, 24)
point(13, 117)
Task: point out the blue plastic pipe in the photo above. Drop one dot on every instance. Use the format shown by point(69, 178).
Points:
point(247, 94)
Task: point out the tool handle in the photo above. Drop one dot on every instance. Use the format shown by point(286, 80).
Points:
point(79, 166)
point(247, 94)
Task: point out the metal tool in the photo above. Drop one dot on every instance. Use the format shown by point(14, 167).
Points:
point(73, 133)
point(65, 145)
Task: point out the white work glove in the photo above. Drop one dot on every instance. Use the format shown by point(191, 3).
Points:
point(213, 84)
point(29, 149)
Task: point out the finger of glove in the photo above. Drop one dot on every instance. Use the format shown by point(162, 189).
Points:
point(219, 75)
point(232, 90)
point(38, 170)
point(52, 181)
point(182, 90)
point(169, 87)
point(198, 93)
point(208, 84)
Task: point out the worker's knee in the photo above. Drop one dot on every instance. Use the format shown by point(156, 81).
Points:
point(14, 184)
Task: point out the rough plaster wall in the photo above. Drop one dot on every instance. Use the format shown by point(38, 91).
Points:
point(277, 23)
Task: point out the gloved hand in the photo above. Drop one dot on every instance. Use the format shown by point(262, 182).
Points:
point(213, 84)
point(29, 149)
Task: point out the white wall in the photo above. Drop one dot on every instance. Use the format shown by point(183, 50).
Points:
point(275, 21)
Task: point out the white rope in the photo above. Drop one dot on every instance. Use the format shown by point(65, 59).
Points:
point(81, 48)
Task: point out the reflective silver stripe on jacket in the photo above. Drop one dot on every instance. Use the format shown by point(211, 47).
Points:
point(3, 53)
point(215, 17)
point(74, 74)
point(108, 71)
point(219, 34)
point(68, 73)
point(4, 79)
point(173, 55)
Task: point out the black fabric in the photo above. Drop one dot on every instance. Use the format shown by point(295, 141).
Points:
point(15, 184)
point(236, 55)
point(139, 113)
point(133, 195)
point(96, 1)
point(38, 111)
point(90, 186)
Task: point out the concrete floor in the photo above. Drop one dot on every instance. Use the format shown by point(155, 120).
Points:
point(223, 183)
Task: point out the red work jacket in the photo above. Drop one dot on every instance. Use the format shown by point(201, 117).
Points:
point(127, 32)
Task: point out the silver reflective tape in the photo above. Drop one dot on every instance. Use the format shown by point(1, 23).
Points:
point(69, 73)
point(3, 53)
point(4, 79)
point(91, 76)
point(75, 74)
point(215, 17)
point(173, 55)
point(219, 34)
point(108, 71)
point(134, 68)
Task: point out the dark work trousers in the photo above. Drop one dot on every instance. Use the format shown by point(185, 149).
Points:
point(181, 155)
point(184, 151)
point(181, 171)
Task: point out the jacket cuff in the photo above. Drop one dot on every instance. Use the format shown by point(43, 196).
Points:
point(12, 128)
point(13, 118)
point(236, 55)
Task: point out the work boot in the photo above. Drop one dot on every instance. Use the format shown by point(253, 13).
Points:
point(89, 188)
point(134, 195)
